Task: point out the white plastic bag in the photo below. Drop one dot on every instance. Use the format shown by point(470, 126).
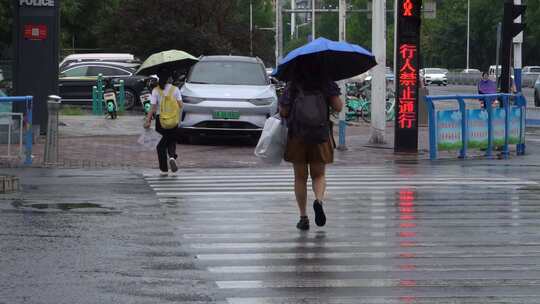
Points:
point(149, 139)
point(271, 146)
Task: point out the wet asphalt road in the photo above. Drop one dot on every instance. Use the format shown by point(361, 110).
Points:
point(444, 232)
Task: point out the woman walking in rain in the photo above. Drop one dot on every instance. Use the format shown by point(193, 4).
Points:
point(310, 72)
point(166, 101)
point(310, 147)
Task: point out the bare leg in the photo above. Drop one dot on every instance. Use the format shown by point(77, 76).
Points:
point(300, 186)
point(318, 180)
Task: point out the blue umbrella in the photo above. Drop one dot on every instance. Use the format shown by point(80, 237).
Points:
point(338, 60)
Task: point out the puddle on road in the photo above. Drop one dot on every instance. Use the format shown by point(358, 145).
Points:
point(59, 206)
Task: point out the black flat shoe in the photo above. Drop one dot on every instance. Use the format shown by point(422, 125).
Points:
point(303, 223)
point(320, 217)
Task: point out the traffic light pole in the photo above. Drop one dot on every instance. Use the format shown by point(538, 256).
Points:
point(509, 31)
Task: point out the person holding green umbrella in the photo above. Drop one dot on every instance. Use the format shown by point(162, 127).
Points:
point(173, 60)
point(165, 64)
point(165, 93)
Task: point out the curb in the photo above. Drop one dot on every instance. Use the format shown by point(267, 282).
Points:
point(9, 184)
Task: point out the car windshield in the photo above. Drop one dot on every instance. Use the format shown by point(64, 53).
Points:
point(228, 73)
point(535, 70)
point(435, 71)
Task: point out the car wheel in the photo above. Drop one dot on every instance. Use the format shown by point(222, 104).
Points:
point(184, 139)
point(130, 99)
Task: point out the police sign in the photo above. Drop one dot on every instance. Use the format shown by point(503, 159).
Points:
point(36, 34)
point(46, 3)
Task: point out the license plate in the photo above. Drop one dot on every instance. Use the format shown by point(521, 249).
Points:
point(145, 97)
point(109, 96)
point(226, 115)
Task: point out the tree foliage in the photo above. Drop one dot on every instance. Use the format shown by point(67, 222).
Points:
point(222, 27)
point(198, 27)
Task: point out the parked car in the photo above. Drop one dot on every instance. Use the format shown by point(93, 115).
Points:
point(77, 79)
point(227, 95)
point(471, 71)
point(497, 70)
point(434, 76)
point(531, 70)
point(109, 57)
point(537, 92)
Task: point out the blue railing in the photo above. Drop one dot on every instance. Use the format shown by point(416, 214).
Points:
point(485, 126)
point(28, 137)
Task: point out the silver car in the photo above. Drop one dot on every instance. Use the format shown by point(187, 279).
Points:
point(229, 95)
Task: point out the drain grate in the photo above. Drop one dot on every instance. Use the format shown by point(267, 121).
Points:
point(9, 184)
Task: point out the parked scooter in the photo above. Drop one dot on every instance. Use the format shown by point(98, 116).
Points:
point(145, 95)
point(109, 97)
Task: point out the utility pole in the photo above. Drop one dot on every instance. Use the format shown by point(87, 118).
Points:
point(468, 31)
point(378, 79)
point(342, 37)
point(279, 32)
point(518, 42)
point(312, 20)
point(251, 28)
point(293, 18)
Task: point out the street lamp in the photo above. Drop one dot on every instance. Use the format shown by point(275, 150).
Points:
point(468, 31)
point(251, 28)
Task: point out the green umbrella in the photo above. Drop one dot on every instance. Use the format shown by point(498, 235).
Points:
point(172, 59)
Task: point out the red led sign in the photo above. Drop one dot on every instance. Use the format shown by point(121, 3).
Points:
point(407, 61)
point(408, 80)
point(35, 31)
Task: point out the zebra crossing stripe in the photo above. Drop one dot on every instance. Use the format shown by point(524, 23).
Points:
point(406, 299)
point(275, 182)
point(377, 283)
point(370, 268)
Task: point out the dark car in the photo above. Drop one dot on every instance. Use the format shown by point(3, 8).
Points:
point(76, 81)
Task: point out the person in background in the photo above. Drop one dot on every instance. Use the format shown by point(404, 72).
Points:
point(486, 85)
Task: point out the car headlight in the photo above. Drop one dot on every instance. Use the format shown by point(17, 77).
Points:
point(190, 99)
point(262, 101)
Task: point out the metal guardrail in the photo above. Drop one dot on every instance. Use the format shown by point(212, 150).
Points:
point(483, 127)
point(9, 116)
point(527, 81)
point(28, 137)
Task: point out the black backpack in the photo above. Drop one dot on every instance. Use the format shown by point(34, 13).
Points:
point(310, 117)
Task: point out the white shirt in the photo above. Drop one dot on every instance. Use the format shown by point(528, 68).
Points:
point(155, 98)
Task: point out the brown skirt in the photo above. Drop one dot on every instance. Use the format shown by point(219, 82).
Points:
point(298, 152)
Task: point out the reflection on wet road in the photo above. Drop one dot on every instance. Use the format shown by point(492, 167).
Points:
point(394, 235)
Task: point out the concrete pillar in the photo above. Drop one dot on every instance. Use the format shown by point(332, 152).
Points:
point(51, 144)
point(378, 80)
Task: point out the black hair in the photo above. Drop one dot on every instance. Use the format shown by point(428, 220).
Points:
point(309, 73)
point(485, 73)
point(163, 74)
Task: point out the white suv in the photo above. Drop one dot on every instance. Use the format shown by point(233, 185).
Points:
point(229, 95)
point(434, 76)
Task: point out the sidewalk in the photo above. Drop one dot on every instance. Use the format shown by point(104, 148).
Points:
point(95, 142)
